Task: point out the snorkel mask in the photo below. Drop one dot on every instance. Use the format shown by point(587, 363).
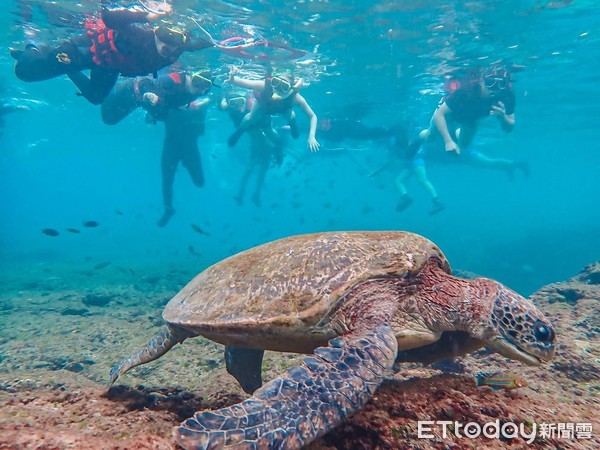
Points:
point(202, 80)
point(237, 102)
point(282, 88)
point(497, 78)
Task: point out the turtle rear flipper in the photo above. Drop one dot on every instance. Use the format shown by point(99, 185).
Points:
point(305, 403)
point(245, 364)
point(160, 344)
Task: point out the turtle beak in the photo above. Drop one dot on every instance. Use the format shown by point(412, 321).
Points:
point(510, 350)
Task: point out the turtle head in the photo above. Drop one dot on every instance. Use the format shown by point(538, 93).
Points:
point(513, 326)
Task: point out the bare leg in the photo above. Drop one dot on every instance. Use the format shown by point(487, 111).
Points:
point(255, 114)
point(261, 170)
point(405, 199)
point(243, 182)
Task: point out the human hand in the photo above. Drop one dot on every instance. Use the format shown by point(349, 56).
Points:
point(313, 145)
point(232, 71)
point(452, 146)
point(150, 98)
point(498, 110)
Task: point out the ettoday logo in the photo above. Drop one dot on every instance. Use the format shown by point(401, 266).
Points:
point(473, 430)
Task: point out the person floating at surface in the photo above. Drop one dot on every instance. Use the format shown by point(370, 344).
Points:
point(266, 144)
point(156, 95)
point(478, 95)
point(183, 127)
point(116, 43)
point(275, 95)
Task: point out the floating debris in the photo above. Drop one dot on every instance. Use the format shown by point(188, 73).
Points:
point(90, 224)
point(73, 230)
point(50, 232)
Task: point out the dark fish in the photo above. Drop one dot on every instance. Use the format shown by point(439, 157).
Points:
point(90, 224)
point(500, 380)
point(73, 230)
point(192, 250)
point(102, 265)
point(118, 212)
point(197, 229)
point(50, 232)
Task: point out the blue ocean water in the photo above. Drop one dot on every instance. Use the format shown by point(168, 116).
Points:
point(382, 61)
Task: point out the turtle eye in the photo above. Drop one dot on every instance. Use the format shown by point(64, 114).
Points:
point(543, 333)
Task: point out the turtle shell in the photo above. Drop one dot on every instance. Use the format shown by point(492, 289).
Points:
point(278, 296)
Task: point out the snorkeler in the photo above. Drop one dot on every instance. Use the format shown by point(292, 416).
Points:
point(275, 95)
point(156, 96)
point(183, 127)
point(266, 144)
point(481, 93)
point(116, 43)
point(413, 163)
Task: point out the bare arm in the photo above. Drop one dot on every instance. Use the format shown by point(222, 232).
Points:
point(248, 84)
point(122, 17)
point(441, 124)
point(304, 106)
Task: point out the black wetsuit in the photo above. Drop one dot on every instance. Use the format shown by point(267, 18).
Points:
point(338, 129)
point(115, 45)
point(127, 95)
point(183, 127)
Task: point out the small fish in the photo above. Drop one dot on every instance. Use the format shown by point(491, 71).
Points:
point(73, 230)
point(90, 224)
point(192, 250)
point(197, 229)
point(102, 265)
point(500, 380)
point(120, 213)
point(50, 232)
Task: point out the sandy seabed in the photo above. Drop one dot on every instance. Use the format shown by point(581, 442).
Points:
point(62, 328)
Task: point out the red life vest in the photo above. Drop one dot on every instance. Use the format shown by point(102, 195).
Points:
point(104, 51)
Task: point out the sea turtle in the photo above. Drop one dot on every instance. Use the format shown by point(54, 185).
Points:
point(360, 301)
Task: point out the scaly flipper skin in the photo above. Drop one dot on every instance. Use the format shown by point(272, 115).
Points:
point(160, 344)
point(305, 403)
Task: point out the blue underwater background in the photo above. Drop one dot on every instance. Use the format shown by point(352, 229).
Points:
point(382, 61)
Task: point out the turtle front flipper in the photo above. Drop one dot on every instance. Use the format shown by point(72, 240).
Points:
point(158, 346)
point(305, 403)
